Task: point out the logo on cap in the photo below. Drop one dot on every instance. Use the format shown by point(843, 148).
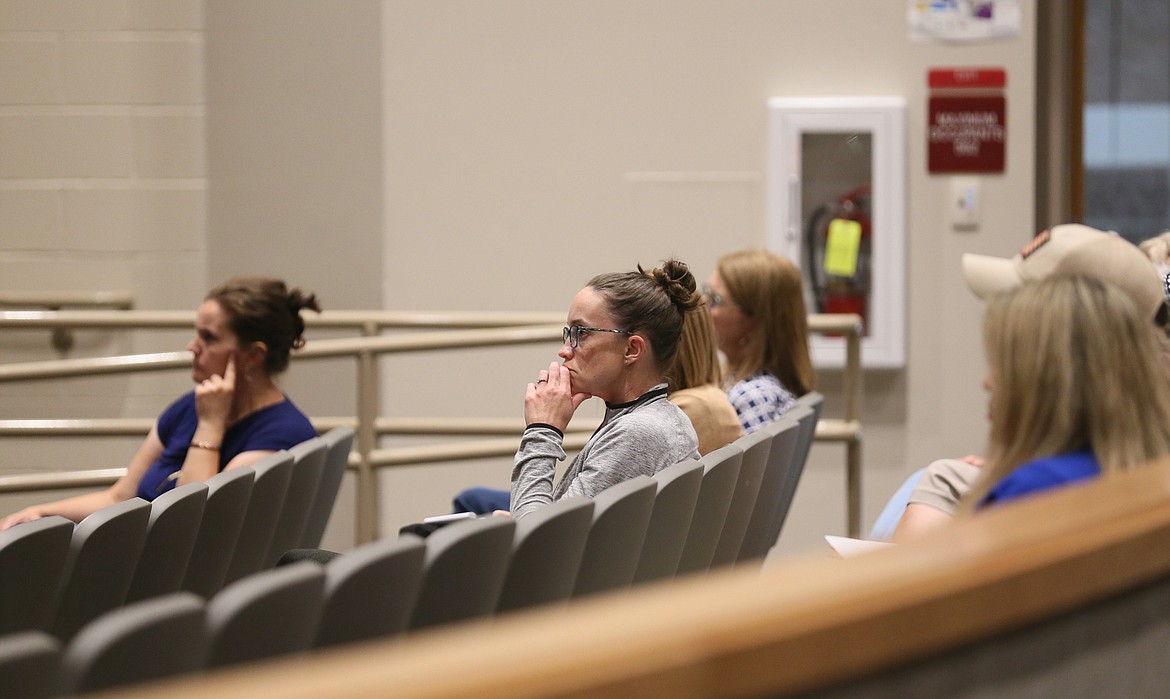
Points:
point(1036, 243)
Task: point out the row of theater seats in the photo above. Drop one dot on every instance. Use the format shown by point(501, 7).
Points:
point(724, 509)
point(57, 577)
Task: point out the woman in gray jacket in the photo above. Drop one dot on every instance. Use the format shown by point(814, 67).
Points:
point(621, 340)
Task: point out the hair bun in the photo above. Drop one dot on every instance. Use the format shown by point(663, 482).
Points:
point(297, 300)
point(676, 280)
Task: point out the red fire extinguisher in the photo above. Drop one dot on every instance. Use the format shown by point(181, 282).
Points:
point(838, 248)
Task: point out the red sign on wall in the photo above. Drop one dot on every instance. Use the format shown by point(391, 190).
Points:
point(966, 133)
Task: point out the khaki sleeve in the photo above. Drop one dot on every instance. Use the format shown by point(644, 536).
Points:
point(944, 483)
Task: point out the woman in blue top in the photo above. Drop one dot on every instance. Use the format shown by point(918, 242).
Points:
point(236, 414)
point(1077, 388)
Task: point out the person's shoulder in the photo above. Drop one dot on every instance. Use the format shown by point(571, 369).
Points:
point(759, 382)
point(1061, 467)
point(1046, 472)
point(685, 397)
point(180, 409)
point(286, 420)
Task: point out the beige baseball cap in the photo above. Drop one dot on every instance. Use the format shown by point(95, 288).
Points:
point(1070, 249)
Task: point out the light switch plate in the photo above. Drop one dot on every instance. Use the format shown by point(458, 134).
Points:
point(966, 203)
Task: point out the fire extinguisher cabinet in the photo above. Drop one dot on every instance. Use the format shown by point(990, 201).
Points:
point(836, 207)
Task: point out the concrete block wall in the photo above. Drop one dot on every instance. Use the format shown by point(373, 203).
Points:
point(102, 188)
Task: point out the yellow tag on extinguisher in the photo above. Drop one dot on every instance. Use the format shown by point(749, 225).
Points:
point(841, 247)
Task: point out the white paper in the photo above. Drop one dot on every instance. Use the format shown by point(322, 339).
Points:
point(849, 548)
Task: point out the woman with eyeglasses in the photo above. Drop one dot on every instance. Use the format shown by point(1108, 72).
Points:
point(236, 414)
point(623, 335)
point(757, 306)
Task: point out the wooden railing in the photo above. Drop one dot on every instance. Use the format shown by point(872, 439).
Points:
point(461, 330)
point(801, 626)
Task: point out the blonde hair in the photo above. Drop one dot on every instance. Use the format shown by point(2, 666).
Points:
point(697, 362)
point(767, 287)
point(1074, 366)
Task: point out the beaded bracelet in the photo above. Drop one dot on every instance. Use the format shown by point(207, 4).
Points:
point(205, 445)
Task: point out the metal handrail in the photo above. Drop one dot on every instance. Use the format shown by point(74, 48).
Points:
point(57, 299)
point(369, 425)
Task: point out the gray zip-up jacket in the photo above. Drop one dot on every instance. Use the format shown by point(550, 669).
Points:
point(643, 436)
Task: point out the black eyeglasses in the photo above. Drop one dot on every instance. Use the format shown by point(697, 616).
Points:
point(713, 299)
point(572, 334)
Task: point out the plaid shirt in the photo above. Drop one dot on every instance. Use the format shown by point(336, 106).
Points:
point(759, 399)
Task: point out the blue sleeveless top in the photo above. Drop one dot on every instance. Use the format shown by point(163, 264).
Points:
point(276, 427)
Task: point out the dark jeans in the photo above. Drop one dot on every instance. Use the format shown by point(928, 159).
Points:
point(482, 501)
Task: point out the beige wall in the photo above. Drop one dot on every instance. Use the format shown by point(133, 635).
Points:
point(102, 188)
point(443, 154)
point(530, 144)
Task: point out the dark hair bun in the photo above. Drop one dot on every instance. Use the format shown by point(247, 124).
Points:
point(297, 300)
point(676, 280)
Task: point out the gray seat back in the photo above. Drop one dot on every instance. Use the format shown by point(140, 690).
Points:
point(339, 443)
point(787, 442)
point(808, 431)
point(755, 448)
point(142, 641)
point(720, 474)
point(219, 530)
point(670, 521)
point(103, 553)
point(32, 557)
point(273, 473)
point(621, 515)
point(763, 528)
point(267, 614)
point(546, 554)
point(371, 591)
point(464, 571)
point(29, 662)
point(308, 463)
point(170, 538)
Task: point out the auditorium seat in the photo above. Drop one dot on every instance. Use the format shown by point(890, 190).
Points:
point(371, 591)
point(463, 572)
point(147, 640)
point(755, 448)
point(670, 520)
point(32, 556)
point(251, 553)
point(308, 463)
point(771, 503)
point(720, 474)
point(266, 614)
point(228, 493)
point(621, 515)
point(103, 553)
point(339, 443)
point(170, 537)
point(546, 554)
point(29, 661)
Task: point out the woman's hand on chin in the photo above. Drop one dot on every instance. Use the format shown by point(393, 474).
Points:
point(550, 399)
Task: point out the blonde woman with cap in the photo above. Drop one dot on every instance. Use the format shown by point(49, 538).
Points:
point(1058, 416)
point(1064, 250)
